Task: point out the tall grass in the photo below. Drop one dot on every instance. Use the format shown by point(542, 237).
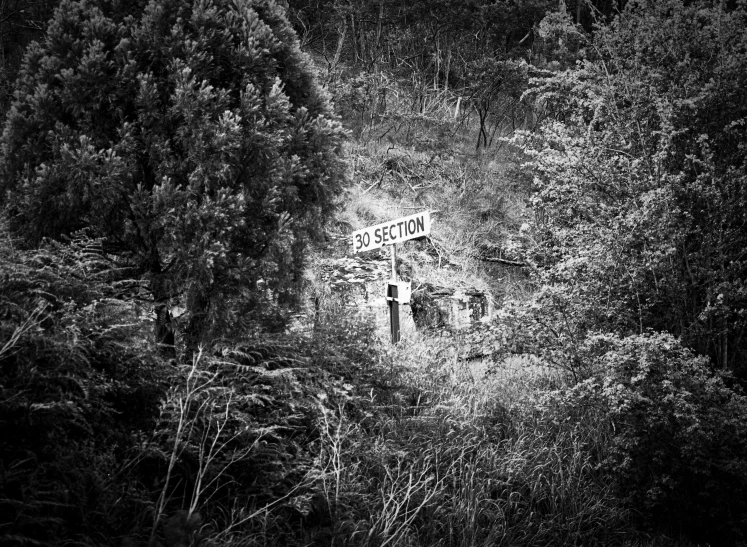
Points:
point(458, 456)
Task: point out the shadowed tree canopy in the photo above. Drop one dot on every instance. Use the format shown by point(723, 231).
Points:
point(21, 21)
point(190, 135)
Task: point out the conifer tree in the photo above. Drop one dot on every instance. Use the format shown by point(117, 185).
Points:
point(190, 134)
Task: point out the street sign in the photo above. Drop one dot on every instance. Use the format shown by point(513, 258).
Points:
point(389, 233)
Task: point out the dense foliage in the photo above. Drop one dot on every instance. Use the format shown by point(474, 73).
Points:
point(641, 180)
point(179, 154)
point(675, 434)
point(105, 442)
point(638, 244)
point(192, 137)
point(21, 22)
point(76, 388)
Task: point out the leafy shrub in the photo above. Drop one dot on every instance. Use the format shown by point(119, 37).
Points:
point(676, 433)
point(639, 176)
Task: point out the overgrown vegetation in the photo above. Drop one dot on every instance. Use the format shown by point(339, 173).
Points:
point(639, 178)
point(273, 441)
point(140, 124)
point(166, 163)
point(269, 441)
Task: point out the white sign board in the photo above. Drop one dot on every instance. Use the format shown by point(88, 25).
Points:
point(389, 233)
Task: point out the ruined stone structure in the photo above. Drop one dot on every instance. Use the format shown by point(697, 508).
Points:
point(358, 282)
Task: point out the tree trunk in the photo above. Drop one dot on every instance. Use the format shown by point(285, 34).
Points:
point(354, 38)
point(378, 33)
point(160, 289)
point(163, 330)
point(198, 304)
point(482, 135)
point(332, 75)
point(447, 69)
point(438, 63)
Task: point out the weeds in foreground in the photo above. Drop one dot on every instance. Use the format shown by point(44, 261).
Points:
point(279, 440)
point(449, 458)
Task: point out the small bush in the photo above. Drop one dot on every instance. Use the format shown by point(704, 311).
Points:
point(677, 434)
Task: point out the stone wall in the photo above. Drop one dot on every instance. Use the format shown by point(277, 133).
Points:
point(358, 282)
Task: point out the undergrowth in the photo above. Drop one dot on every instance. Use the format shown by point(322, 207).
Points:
point(457, 457)
point(276, 439)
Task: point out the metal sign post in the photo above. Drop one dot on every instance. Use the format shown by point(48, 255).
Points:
point(391, 233)
point(393, 299)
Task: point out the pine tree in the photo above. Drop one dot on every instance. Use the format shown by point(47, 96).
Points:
point(191, 135)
